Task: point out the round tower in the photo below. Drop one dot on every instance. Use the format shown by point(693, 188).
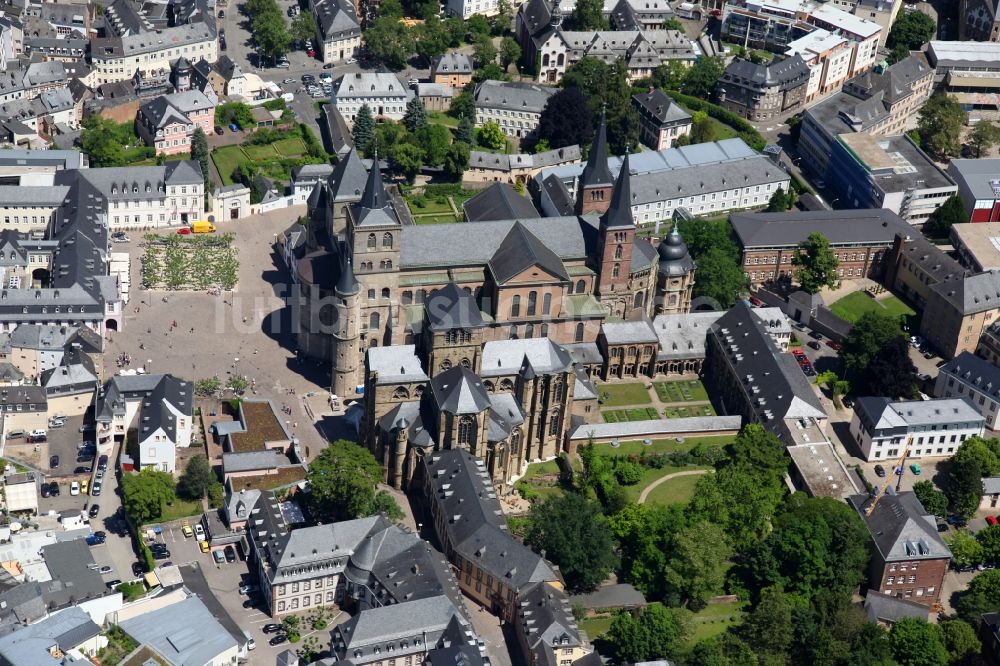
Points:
point(674, 275)
point(346, 333)
point(182, 74)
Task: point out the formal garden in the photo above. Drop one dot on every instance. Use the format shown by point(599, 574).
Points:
point(682, 398)
point(196, 261)
point(437, 203)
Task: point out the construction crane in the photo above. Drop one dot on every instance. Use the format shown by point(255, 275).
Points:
point(888, 481)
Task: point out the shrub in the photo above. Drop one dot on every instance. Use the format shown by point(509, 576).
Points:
point(745, 130)
point(628, 473)
point(131, 591)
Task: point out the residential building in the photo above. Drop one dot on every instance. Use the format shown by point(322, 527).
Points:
point(452, 69)
point(21, 493)
point(435, 96)
point(518, 167)
point(883, 429)
point(968, 376)
point(119, 58)
point(974, 244)
point(224, 77)
point(339, 29)
point(160, 407)
point(258, 449)
point(860, 240)
point(702, 179)
point(761, 92)
point(65, 637)
point(880, 102)
point(991, 493)
point(515, 107)
point(828, 57)
point(909, 558)
point(883, 12)
point(25, 408)
point(887, 610)
point(979, 187)
point(642, 50)
point(183, 633)
point(384, 94)
point(889, 172)
point(464, 9)
point(661, 120)
point(168, 123)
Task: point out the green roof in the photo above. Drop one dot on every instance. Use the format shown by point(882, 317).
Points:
point(575, 271)
point(422, 279)
point(584, 305)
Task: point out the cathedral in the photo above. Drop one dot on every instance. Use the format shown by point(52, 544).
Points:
point(461, 335)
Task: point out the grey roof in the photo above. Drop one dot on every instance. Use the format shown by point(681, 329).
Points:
point(991, 485)
point(185, 633)
point(506, 163)
point(477, 530)
point(40, 336)
point(884, 413)
point(33, 645)
point(976, 293)
point(584, 352)
point(939, 266)
point(347, 182)
point(370, 84)
point(499, 201)
point(452, 307)
point(974, 371)
point(73, 581)
point(395, 364)
point(407, 415)
point(644, 256)
point(509, 357)
point(901, 528)
point(558, 194)
point(386, 624)
point(545, 617)
point(567, 237)
point(656, 427)
point(252, 461)
point(658, 105)
point(675, 260)
point(374, 209)
point(889, 608)
point(108, 48)
point(619, 213)
point(596, 172)
point(521, 250)
point(505, 415)
point(618, 595)
point(628, 332)
point(459, 391)
point(784, 74)
point(977, 175)
point(337, 19)
point(867, 226)
point(521, 97)
point(453, 62)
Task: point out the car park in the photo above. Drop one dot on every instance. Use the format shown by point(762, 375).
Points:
point(81, 470)
point(218, 556)
point(186, 530)
point(84, 486)
point(199, 531)
point(203, 546)
point(54, 489)
point(326, 77)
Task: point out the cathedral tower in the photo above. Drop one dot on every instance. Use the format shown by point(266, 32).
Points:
point(593, 191)
point(347, 354)
point(615, 238)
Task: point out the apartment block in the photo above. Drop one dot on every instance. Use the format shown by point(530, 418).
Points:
point(882, 428)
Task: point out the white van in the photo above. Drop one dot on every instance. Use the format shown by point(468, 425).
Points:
point(288, 97)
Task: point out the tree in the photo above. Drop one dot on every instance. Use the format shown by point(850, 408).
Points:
point(489, 72)
point(780, 201)
point(702, 128)
point(607, 87)
point(510, 51)
point(208, 387)
point(702, 77)
point(478, 25)
point(769, 628)
point(304, 26)
point(868, 335)
point(145, 494)
point(966, 551)
point(483, 50)
point(235, 112)
point(948, 214)
point(415, 117)
point(342, 479)
point(989, 539)
point(721, 279)
point(891, 373)
point(670, 75)
point(933, 500)
point(385, 503)
point(466, 131)
point(759, 449)
point(910, 31)
point(697, 565)
point(364, 130)
point(960, 640)
point(648, 633)
point(588, 15)
point(815, 263)
point(456, 161)
point(940, 122)
point(433, 141)
point(196, 479)
point(984, 136)
point(981, 596)
point(502, 21)
point(576, 537)
point(269, 29)
point(237, 384)
point(566, 120)
point(98, 141)
point(916, 643)
point(491, 136)
point(389, 41)
point(199, 152)
point(984, 451)
point(747, 521)
point(645, 535)
point(965, 485)
point(405, 159)
point(434, 38)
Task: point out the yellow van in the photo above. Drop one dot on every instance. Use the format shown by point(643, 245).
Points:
point(202, 227)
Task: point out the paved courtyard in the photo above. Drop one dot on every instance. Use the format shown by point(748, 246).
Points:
point(245, 332)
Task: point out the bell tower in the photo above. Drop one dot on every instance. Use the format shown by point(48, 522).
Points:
point(593, 191)
point(615, 238)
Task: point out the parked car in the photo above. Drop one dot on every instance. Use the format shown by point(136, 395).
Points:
point(45, 490)
point(102, 463)
point(203, 546)
point(199, 531)
point(105, 569)
point(81, 470)
point(74, 488)
point(278, 640)
point(218, 556)
point(833, 344)
point(96, 491)
point(112, 584)
point(222, 14)
point(219, 130)
point(186, 530)
point(94, 540)
point(54, 489)
point(183, 231)
point(94, 510)
point(271, 628)
point(248, 589)
point(957, 521)
point(53, 462)
point(233, 127)
point(991, 520)
point(815, 335)
point(137, 570)
point(942, 527)
point(915, 468)
point(230, 554)
point(880, 471)
point(161, 555)
point(814, 345)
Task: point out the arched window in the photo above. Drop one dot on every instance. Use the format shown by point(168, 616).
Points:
point(407, 297)
point(529, 331)
point(466, 363)
point(373, 321)
point(615, 270)
point(532, 303)
point(545, 330)
point(579, 333)
point(488, 385)
point(387, 240)
point(371, 241)
point(554, 424)
point(638, 300)
point(388, 264)
point(631, 350)
point(511, 336)
point(385, 292)
point(545, 60)
point(466, 431)
point(446, 364)
point(506, 385)
point(515, 306)
point(371, 294)
point(560, 60)
point(618, 252)
point(557, 390)
point(400, 393)
point(546, 304)
point(581, 286)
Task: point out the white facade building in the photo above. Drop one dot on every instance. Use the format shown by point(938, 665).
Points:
point(515, 107)
point(881, 428)
point(978, 381)
point(384, 94)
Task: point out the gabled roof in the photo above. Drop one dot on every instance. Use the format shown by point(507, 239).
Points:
point(499, 201)
point(460, 391)
point(521, 250)
point(451, 307)
point(660, 106)
point(901, 528)
point(508, 357)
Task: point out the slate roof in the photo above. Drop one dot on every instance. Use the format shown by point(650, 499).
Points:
point(520, 97)
point(884, 413)
point(867, 226)
point(374, 209)
point(596, 172)
point(546, 620)
point(521, 250)
point(451, 307)
point(370, 84)
point(628, 332)
point(889, 608)
point(185, 632)
point(901, 528)
point(453, 62)
point(31, 645)
point(508, 357)
point(974, 371)
point(395, 364)
point(349, 177)
point(337, 19)
point(975, 293)
point(782, 74)
point(459, 391)
point(499, 201)
point(658, 105)
point(73, 581)
point(429, 618)
point(619, 213)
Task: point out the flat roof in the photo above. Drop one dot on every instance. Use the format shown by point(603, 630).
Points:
point(895, 162)
point(963, 52)
point(981, 177)
point(821, 470)
point(981, 241)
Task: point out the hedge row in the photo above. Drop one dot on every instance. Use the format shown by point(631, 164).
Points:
point(744, 129)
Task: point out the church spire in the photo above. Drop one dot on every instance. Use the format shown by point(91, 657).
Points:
point(619, 214)
point(596, 172)
point(374, 196)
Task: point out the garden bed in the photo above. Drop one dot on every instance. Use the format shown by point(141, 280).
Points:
point(618, 395)
point(685, 390)
point(634, 414)
point(195, 262)
point(690, 411)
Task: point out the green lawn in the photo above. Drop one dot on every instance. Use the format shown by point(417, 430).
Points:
point(179, 509)
point(649, 475)
point(634, 414)
point(420, 205)
point(441, 118)
point(715, 619)
point(596, 625)
point(542, 487)
point(435, 219)
point(226, 160)
point(674, 491)
point(857, 303)
point(255, 152)
point(684, 390)
point(616, 395)
point(289, 147)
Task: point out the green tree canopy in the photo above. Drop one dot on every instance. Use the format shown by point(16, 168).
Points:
point(965, 485)
point(769, 628)
point(415, 117)
point(98, 140)
point(760, 449)
point(747, 521)
point(989, 539)
point(961, 641)
point(389, 41)
point(696, 567)
point(981, 596)
point(574, 535)
point(304, 26)
point(966, 551)
point(933, 500)
point(910, 31)
point(915, 642)
point(145, 494)
point(433, 141)
point(607, 87)
point(491, 136)
point(948, 214)
point(510, 51)
point(456, 161)
point(939, 123)
point(566, 119)
point(984, 451)
point(342, 479)
point(816, 265)
point(702, 77)
point(648, 633)
point(891, 372)
point(984, 135)
point(199, 153)
point(868, 335)
point(405, 159)
point(645, 534)
point(588, 15)
point(363, 131)
point(196, 479)
point(483, 50)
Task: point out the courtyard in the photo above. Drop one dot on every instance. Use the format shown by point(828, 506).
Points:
point(852, 306)
point(674, 399)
